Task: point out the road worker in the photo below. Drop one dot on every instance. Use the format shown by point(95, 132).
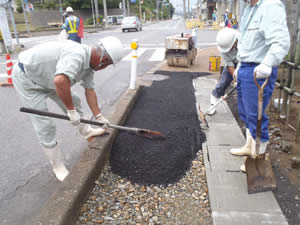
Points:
point(263, 43)
point(227, 40)
point(71, 25)
point(49, 70)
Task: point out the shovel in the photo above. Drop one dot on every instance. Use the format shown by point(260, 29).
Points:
point(138, 131)
point(260, 176)
point(204, 114)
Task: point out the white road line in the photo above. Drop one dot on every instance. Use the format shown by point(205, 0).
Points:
point(158, 55)
point(140, 52)
point(3, 75)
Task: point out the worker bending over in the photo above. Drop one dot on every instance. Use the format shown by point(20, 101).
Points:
point(227, 40)
point(71, 25)
point(263, 43)
point(49, 70)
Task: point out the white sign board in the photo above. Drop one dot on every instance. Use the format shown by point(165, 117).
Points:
point(6, 35)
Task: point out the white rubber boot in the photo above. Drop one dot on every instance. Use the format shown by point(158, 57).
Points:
point(57, 162)
point(213, 101)
point(87, 131)
point(243, 168)
point(262, 148)
point(246, 149)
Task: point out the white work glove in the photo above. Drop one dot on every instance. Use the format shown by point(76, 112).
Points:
point(87, 131)
point(100, 118)
point(235, 73)
point(262, 71)
point(74, 117)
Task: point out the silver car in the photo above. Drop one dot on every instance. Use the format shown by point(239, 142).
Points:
point(131, 23)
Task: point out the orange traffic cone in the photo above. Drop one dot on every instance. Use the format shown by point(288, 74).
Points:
point(9, 68)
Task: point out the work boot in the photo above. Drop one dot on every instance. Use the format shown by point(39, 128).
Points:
point(213, 101)
point(243, 168)
point(87, 131)
point(262, 150)
point(55, 157)
point(246, 149)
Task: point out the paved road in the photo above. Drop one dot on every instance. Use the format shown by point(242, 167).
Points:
point(26, 180)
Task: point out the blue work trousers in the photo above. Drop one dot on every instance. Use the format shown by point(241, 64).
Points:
point(222, 84)
point(248, 98)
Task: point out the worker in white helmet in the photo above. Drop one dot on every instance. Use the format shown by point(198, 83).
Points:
point(227, 40)
point(48, 71)
point(71, 25)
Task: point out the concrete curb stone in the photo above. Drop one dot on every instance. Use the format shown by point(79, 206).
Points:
point(64, 205)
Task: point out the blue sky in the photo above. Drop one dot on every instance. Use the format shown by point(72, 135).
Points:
point(178, 4)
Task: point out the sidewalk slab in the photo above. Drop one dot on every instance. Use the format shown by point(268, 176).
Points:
point(227, 186)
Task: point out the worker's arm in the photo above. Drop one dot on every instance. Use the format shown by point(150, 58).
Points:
point(230, 69)
point(63, 90)
point(92, 101)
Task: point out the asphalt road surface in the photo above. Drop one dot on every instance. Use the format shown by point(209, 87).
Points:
point(26, 179)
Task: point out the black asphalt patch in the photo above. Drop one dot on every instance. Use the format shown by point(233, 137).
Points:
point(168, 106)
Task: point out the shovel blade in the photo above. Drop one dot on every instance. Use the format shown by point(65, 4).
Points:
point(260, 176)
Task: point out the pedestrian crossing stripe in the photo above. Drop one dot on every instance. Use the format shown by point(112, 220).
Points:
point(158, 55)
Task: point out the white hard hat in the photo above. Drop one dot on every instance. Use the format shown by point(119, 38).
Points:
point(227, 10)
point(113, 47)
point(226, 38)
point(69, 9)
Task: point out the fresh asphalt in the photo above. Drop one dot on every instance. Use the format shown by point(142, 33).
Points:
point(27, 180)
point(169, 107)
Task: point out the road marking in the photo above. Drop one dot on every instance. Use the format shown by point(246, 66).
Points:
point(158, 55)
point(140, 52)
point(3, 75)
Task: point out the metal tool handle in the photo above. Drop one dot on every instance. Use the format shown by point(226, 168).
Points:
point(259, 112)
point(58, 116)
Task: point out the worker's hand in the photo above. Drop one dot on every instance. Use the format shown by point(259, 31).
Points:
point(74, 117)
point(236, 71)
point(100, 118)
point(262, 71)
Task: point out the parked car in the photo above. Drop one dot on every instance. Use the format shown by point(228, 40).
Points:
point(117, 19)
point(131, 23)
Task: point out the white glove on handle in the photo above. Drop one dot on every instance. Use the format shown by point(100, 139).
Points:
point(74, 117)
point(262, 71)
point(100, 118)
point(235, 73)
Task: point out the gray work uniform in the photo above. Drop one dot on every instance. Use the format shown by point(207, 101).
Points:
point(33, 78)
point(230, 59)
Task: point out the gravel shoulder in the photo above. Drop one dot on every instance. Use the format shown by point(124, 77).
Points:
point(117, 201)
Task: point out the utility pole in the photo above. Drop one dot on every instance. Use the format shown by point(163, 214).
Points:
point(124, 7)
point(105, 12)
point(25, 17)
point(184, 10)
point(96, 12)
point(157, 8)
point(11, 13)
point(128, 8)
point(93, 12)
point(140, 9)
point(189, 13)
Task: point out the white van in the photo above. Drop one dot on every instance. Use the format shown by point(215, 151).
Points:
point(115, 19)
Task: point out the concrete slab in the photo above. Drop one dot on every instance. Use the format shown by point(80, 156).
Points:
point(226, 133)
point(221, 160)
point(227, 186)
point(247, 218)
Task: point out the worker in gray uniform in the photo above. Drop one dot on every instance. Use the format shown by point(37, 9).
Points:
point(48, 71)
point(227, 40)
